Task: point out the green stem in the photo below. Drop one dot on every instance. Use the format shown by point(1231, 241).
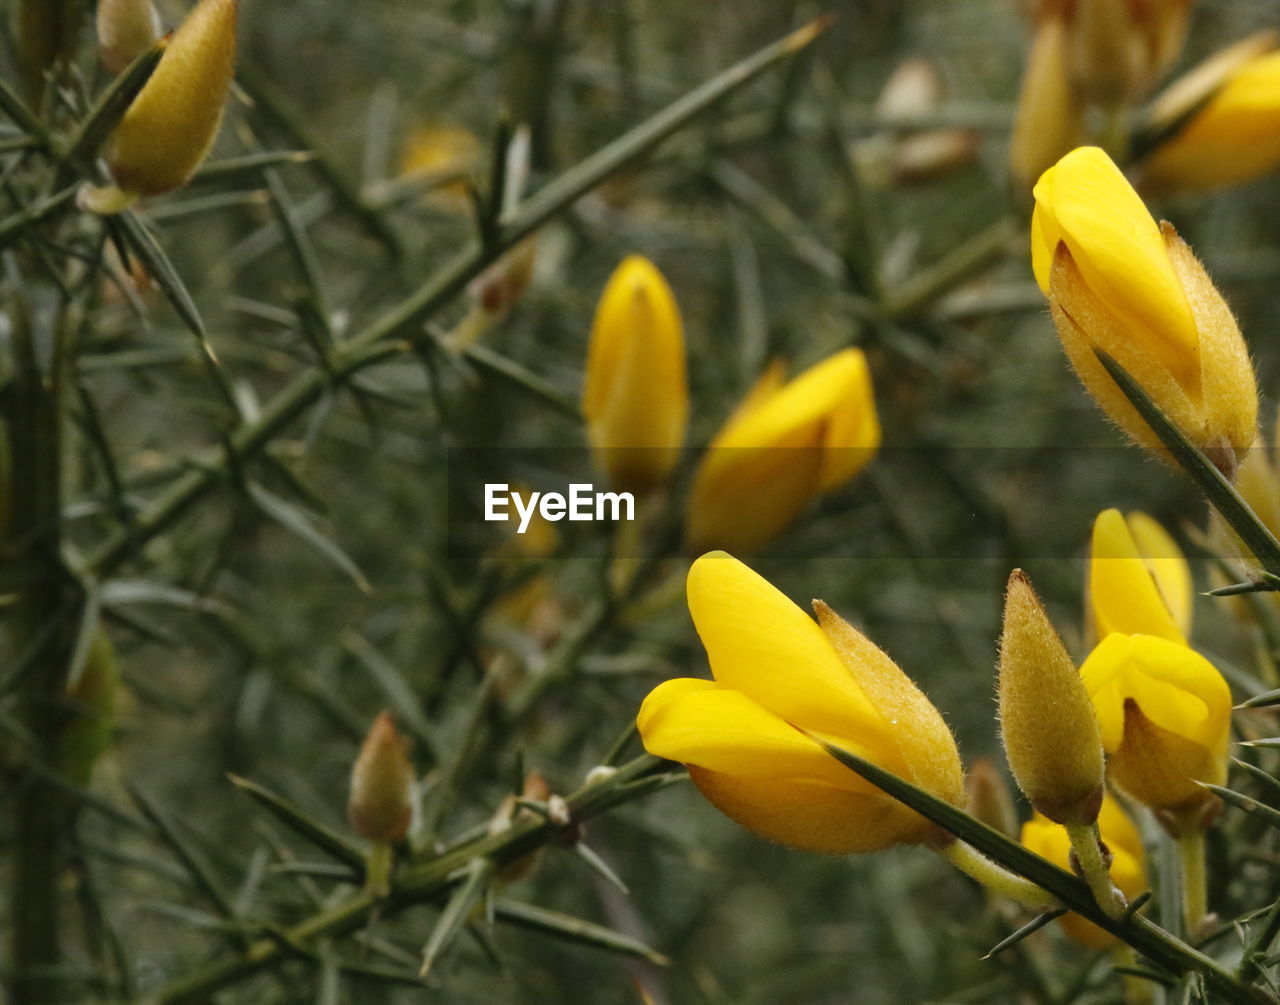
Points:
point(1087, 845)
point(953, 268)
point(37, 624)
point(377, 876)
point(996, 878)
point(1195, 887)
point(377, 341)
point(427, 881)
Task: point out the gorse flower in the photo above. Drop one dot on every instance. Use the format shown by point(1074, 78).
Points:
point(1139, 582)
point(775, 670)
point(1128, 862)
point(1087, 53)
point(785, 445)
point(1119, 283)
point(1230, 135)
point(168, 129)
point(1164, 712)
point(1049, 119)
point(1163, 709)
point(636, 396)
point(1047, 723)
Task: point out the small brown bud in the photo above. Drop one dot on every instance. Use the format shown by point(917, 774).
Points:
point(381, 803)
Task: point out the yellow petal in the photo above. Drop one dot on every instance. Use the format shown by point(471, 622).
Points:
point(1084, 202)
point(725, 731)
point(1123, 593)
point(744, 497)
point(1234, 137)
point(852, 433)
point(760, 643)
point(1167, 565)
point(636, 397)
point(813, 816)
point(779, 450)
point(1049, 120)
point(1175, 687)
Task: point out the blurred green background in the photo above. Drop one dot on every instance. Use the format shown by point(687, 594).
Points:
point(248, 649)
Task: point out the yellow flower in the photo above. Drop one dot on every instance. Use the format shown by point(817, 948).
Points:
point(1139, 583)
point(1164, 712)
point(1050, 116)
point(1232, 136)
point(775, 669)
point(168, 129)
point(784, 446)
point(636, 398)
point(1118, 282)
point(1047, 723)
point(1128, 862)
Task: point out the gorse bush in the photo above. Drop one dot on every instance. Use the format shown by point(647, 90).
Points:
point(377, 386)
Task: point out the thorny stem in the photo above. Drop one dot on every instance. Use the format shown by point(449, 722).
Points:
point(418, 883)
point(1087, 845)
point(35, 575)
point(378, 340)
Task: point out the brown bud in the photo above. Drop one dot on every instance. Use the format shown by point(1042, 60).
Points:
point(381, 803)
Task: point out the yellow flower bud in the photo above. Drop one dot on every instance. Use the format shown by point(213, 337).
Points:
point(782, 448)
point(381, 804)
point(126, 29)
point(775, 669)
point(1164, 712)
point(1232, 136)
point(1119, 283)
point(1128, 862)
point(170, 126)
point(636, 397)
point(1139, 583)
point(1047, 723)
point(1050, 117)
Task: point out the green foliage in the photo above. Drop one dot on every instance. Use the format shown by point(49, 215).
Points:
point(235, 420)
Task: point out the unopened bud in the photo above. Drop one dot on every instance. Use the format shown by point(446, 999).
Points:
point(167, 131)
point(1047, 721)
point(381, 803)
point(126, 29)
